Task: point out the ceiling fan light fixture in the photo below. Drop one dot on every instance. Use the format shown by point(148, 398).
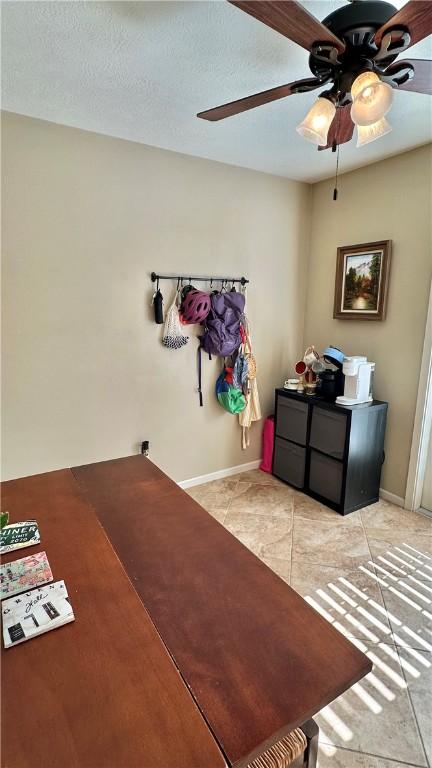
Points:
point(368, 133)
point(371, 97)
point(315, 126)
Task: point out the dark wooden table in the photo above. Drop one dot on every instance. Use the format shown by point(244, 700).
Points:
point(101, 692)
point(257, 658)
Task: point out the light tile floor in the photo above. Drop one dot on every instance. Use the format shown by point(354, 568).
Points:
point(370, 575)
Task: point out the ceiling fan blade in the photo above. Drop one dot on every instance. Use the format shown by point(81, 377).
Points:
point(422, 80)
point(291, 20)
point(416, 16)
point(249, 102)
point(342, 127)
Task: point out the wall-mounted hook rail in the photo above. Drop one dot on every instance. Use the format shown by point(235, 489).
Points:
point(199, 279)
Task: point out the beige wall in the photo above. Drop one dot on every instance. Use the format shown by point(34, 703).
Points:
point(387, 200)
point(86, 218)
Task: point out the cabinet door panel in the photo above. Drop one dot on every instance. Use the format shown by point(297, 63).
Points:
point(289, 462)
point(291, 421)
point(328, 431)
point(325, 477)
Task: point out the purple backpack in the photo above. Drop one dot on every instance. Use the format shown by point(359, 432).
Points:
point(221, 335)
point(222, 326)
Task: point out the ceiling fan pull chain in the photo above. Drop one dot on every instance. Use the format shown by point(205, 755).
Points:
point(336, 142)
point(335, 191)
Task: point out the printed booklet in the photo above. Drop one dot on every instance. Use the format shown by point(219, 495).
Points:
point(35, 612)
point(24, 574)
point(18, 536)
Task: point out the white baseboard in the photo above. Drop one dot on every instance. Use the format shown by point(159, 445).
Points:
point(392, 498)
point(425, 512)
point(219, 474)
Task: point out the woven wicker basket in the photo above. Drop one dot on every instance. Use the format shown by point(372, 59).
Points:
point(283, 753)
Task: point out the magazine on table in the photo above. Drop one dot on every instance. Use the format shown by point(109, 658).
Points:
point(19, 535)
point(24, 574)
point(32, 613)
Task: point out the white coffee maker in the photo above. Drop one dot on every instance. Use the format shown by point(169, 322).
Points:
point(358, 381)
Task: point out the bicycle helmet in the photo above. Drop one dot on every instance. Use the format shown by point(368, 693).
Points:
point(195, 307)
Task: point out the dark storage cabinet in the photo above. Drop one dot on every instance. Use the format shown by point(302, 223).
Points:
point(289, 462)
point(292, 420)
point(328, 432)
point(331, 452)
point(326, 477)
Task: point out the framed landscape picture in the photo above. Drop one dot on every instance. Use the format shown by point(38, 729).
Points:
point(362, 275)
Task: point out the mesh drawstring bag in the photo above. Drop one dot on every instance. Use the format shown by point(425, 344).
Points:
point(173, 335)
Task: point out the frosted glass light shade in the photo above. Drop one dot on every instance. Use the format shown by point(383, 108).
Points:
point(372, 99)
point(317, 122)
point(368, 133)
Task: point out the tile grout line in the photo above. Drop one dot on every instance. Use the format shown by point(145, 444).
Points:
point(372, 754)
point(291, 558)
point(230, 501)
point(383, 597)
point(419, 733)
point(356, 568)
point(366, 535)
point(375, 572)
point(398, 652)
point(292, 539)
point(397, 761)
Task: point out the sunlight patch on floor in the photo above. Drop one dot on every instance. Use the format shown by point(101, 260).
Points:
point(337, 724)
point(351, 611)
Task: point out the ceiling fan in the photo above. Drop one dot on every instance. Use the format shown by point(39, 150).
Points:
point(354, 51)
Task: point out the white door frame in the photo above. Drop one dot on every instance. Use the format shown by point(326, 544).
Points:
point(422, 422)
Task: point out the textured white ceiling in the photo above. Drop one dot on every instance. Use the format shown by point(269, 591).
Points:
point(142, 70)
